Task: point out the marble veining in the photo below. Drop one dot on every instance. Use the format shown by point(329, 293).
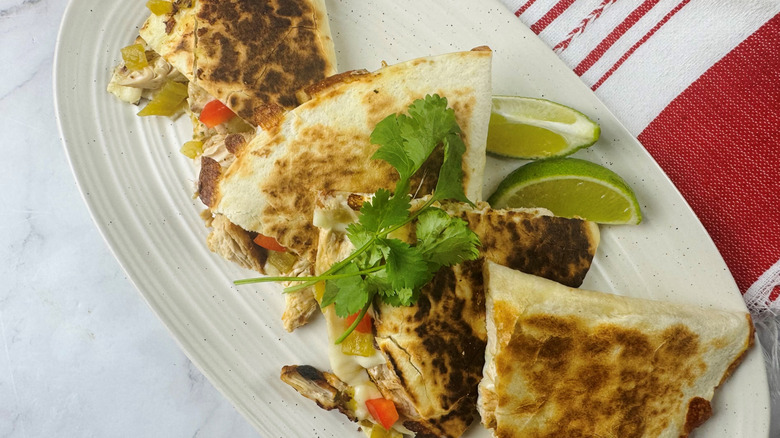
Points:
point(82, 354)
point(17, 8)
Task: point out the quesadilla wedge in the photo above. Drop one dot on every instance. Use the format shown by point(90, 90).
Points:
point(571, 362)
point(235, 57)
point(428, 358)
point(249, 55)
point(246, 53)
point(324, 144)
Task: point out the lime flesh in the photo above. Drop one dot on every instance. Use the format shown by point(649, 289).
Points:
point(570, 187)
point(529, 128)
point(505, 138)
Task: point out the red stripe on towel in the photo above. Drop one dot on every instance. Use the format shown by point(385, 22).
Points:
point(638, 44)
point(551, 15)
point(524, 7)
point(613, 36)
point(594, 14)
point(731, 114)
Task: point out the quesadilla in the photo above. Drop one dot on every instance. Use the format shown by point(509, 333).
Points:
point(250, 55)
point(571, 362)
point(247, 53)
point(324, 145)
point(429, 356)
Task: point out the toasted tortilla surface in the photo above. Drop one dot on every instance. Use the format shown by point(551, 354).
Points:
point(324, 145)
point(246, 53)
point(434, 349)
point(570, 362)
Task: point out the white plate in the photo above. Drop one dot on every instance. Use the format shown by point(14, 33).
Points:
point(138, 189)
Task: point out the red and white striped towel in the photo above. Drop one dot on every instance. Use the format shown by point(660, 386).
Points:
point(698, 82)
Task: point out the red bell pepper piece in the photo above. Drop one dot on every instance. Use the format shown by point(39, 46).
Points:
point(383, 411)
point(269, 243)
point(364, 326)
point(215, 113)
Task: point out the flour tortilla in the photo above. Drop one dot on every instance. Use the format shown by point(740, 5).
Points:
point(248, 54)
point(324, 144)
point(571, 362)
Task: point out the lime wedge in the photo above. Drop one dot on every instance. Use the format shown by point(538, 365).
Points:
point(528, 128)
point(570, 187)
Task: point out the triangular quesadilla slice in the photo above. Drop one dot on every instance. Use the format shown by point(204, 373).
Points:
point(247, 54)
point(570, 362)
point(429, 356)
point(324, 144)
point(250, 56)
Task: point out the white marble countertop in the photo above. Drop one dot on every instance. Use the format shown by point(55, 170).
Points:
point(82, 353)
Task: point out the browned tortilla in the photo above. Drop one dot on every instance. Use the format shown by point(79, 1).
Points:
point(254, 56)
point(435, 348)
point(324, 144)
point(571, 362)
point(248, 54)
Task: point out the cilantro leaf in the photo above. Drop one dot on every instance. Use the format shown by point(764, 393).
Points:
point(347, 294)
point(400, 297)
point(406, 141)
point(444, 240)
point(450, 182)
point(388, 134)
point(439, 120)
point(383, 211)
point(371, 257)
point(377, 282)
point(406, 267)
point(429, 123)
point(358, 234)
point(330, 295)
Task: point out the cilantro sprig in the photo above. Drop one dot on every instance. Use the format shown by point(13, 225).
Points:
point(384, 267)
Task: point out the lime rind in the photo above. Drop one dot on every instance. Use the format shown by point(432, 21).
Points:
point(538, 172)
point(577, 130)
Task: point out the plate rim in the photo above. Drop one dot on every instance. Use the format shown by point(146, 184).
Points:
point(109, 239)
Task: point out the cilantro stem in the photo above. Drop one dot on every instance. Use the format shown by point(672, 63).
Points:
point(355, 323)
point(330, 274)
point(319, 278)
point(412, 217)
point(268, 280)
point(332, 270)
point(308, 280)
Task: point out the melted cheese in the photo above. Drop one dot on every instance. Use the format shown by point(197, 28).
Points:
point(335, 246)
point(332, 219)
